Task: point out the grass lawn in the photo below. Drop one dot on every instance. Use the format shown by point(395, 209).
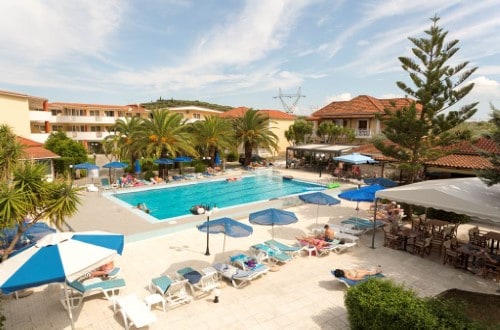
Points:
point(481, 307)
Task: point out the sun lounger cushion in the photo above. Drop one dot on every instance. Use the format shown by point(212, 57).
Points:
point(162, 282)
point(193, 276)
point(101, 285)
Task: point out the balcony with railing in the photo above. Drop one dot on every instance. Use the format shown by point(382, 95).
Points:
point(88, 136)
point(84, 119)
point(363, 133)
point(41, 116)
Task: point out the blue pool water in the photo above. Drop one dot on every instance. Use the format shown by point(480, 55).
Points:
point(176, 201)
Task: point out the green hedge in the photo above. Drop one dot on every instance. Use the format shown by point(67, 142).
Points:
point(381, 304)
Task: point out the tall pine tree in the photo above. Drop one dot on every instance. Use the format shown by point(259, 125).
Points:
point(417, 129)
point(491, 176)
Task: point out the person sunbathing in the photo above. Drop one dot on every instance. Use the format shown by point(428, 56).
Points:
point(101, 271)
point(356, 274)
point(313, 241)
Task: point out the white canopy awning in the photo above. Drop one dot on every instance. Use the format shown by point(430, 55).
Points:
point(468, 196)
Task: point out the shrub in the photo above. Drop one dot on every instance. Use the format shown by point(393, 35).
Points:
point(380, 304)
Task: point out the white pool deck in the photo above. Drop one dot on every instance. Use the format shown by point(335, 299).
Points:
point(301, 295)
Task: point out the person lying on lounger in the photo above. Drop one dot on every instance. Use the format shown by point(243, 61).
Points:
point(101, 271)
point(356, 274)
point(313, 241)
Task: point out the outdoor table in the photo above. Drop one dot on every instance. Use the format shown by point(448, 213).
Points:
point(493, 236)
point(433, 223)
point(408, 233)
point(468, 250)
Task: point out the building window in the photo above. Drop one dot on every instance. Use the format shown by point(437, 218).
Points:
point(196, 116)
point(363, 128)
point(109, 113)
point(339, 122)
point(56, 112)
point(95, 128)
point(94, 113)
point(57, 128)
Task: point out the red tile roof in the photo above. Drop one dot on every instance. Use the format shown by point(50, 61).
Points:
point(35, 150)
point(362, 106)
point(464, 154)
point(273, 114)
point(474, 162)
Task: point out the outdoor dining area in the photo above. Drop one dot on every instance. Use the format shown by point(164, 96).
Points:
point(438, 239)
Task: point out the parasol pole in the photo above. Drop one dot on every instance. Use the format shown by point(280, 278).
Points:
point(317, 215)
point(374, 223)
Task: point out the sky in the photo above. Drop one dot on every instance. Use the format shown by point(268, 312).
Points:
point(236, 52)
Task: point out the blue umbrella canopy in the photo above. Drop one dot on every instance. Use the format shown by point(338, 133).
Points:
point(272, 217)
point(86, 166)
point(115, 165)
point(364, 194)
point(183, 159)
point(59, 257)
point(137, 166)
point(387, 183)
point(163, 161)
point(355, 158)
point(217, 159)
point(226, 226)
point(319, 198)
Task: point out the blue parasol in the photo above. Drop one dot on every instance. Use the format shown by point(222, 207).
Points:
point(217, 159)
point(88, 167)
point(114, 166)
point(137, 166)
point(163, 161)
point(226, 226)
point(182, 159)
point(364, 194)
point(272, 217)
point(59, 257)
point(319, 198)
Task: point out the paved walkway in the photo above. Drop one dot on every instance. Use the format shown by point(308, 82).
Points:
point(301, 295)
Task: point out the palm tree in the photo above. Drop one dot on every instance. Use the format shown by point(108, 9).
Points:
point(253, 131)
point(123, 144)
point(213, 134)
point(165, 134)
point(30, 196)
point(10, 152)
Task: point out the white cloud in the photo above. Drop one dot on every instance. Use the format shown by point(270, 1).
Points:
point(339, 97)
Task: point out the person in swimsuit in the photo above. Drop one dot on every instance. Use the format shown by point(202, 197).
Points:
point(356, 274)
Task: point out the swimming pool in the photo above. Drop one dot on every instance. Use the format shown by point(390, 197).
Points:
point(175, 201)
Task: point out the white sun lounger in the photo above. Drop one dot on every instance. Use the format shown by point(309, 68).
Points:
point(134, 311)
point(239, 278)
point(347, 229)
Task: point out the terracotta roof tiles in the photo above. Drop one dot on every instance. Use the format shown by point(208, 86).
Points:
point(273, 114)
point(35, 150)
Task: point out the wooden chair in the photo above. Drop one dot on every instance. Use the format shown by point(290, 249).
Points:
point(478, 240)
point(392, 240)
point(422, 247)
point(449, 253)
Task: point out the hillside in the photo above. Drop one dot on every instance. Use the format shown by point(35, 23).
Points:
point(160, 103)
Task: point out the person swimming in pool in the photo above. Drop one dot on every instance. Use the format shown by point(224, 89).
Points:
point(143, 207)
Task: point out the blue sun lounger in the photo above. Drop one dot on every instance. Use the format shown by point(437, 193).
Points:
point(350, 283)
point(291, 250)
point(273, 254)
point(79, 290)
point(363, 224)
